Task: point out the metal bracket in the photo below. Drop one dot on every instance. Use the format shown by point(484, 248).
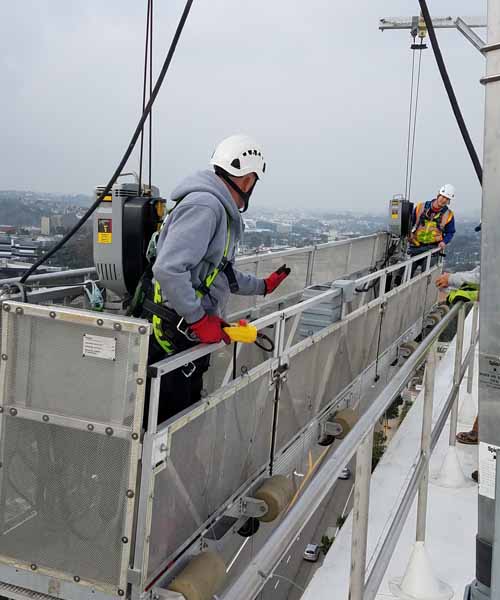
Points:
point(331, 428)
point(279, 375)
point(252, 507)
point(469, 34)
point(134, 576)
point(347, 287)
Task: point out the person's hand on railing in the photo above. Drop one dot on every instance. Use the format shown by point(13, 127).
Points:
point(209, 330)
point(443, 280)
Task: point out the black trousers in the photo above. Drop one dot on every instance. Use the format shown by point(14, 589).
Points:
point(179, 389)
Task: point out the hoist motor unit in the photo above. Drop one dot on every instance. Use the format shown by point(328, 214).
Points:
point(400, 211)
point(123, 225)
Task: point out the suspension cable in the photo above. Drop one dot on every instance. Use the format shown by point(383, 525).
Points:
point(415, 112)
point(146, 45)
point(449, 90)
point(150, 92)
point(410, 112)
point(128, 151)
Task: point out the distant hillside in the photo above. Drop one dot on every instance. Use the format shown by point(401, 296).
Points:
point(16, 212)
point(21, 208)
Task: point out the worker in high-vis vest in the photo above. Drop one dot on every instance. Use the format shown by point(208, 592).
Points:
point(433, 225)
point(194, 271)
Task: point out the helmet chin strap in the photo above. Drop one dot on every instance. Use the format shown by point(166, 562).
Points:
point(245, 196)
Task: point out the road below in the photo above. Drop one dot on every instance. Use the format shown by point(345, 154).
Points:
point(294, 573)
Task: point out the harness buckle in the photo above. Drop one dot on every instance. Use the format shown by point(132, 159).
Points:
point(191, 368)
point(185, 332)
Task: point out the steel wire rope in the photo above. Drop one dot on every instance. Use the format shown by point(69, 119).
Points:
point(409, 118)
point(150, 94)
point(128, 151)
point(415, 112)
point(450, 91)
point(146, 49)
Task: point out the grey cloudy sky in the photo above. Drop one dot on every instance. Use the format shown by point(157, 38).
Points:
point(315, 82)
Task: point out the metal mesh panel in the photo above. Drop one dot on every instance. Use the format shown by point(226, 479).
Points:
point(362, 254)
point(315, 376)
point(297, 280)
point(47, 371)
point(211, 456)
point(403, 310)
point(63, 495)
point(331, 263)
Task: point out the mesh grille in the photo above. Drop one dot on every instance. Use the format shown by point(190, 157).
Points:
point(210, 458)
point(63, 497)
point(46, 363)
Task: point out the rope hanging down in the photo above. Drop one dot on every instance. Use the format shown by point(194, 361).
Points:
point(128, 151)
point(412, 112)
point(148, 65)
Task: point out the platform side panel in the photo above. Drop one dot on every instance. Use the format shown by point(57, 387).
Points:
point(48, 370)
point(210, 457)
point(69, 443)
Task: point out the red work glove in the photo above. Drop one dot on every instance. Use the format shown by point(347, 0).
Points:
point(274, 280)
point(209, 330)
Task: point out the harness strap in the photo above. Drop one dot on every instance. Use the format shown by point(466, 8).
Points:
point(202, 290)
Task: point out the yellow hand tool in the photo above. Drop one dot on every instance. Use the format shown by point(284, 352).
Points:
point(242, 332)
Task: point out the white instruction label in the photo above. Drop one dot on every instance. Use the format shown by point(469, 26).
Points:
point(487, 469)
point(98, 346)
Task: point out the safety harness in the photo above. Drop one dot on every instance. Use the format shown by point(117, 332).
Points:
point(170, 329)
point(429, 225)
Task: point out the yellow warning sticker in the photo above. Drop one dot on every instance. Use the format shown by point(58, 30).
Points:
point(104, 231)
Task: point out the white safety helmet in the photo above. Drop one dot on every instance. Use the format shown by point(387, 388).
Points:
point(239, 155)
point(448, 191)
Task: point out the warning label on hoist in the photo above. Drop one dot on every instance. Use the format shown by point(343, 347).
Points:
point(98, 346)
point(489, 371)
point(487, 469)
point(104, 231)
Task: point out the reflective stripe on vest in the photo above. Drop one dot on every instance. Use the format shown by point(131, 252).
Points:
point(201, 291)
point(430, 230)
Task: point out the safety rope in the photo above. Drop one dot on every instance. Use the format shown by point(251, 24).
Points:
point(414, 122)
point(412, 113)
point(147, 52)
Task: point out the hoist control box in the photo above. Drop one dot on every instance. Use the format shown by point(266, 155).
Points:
point(123, 225)
point(400, 211)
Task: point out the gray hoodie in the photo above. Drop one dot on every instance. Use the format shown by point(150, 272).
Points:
point(191, 244)
point(457, 279)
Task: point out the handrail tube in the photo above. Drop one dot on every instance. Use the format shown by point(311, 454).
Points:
point(253, 578)
point(56, 275)
point(170, 363)
point(384, 556)
point(240, 259)
point(391, 539)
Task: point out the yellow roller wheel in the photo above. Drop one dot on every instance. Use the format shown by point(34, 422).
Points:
point(203, 577)
point(277, 492)
point(346, 419)
point(443, 309)
point(407, 349)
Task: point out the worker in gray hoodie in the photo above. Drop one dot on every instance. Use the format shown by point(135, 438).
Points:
point(194, 270)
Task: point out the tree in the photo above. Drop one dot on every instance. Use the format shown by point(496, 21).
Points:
point(379, 447)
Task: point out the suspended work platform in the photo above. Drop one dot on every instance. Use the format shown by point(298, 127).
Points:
point(99, 501)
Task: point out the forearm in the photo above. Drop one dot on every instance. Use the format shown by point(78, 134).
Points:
point(248, 284)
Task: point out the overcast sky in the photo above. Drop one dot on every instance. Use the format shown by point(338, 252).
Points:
point(322, 89)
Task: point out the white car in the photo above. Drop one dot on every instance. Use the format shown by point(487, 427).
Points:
point(346, 473)
point(311, 552)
